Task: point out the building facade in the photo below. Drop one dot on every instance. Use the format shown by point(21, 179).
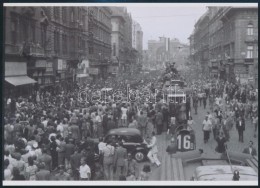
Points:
point(167, 50)
point(137, 41)
point(227, 38)
point(100, 30)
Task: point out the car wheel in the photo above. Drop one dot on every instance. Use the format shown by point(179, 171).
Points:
point(139, 156)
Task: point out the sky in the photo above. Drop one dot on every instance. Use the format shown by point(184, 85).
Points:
point(173, 22)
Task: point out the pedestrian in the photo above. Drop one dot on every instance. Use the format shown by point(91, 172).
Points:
point(195, 104)
point(84, 170)
point(152, 154)
point(54, 153)
point(204, 101)
point(62, 175)
point(142, 122)
point(61, 151)
point(16, 175)
point(124, 115)
point(69, 150)
point(145, 173)
point(120, 156)
point(75, 163)
point(108, 159)
point(240, 125)
point(159, 122)
point(221, 143)
point(149, 127)
point(130, 167)
point(207, 126)
point(255, 124)
point(43, 174)
point(250, 149)
point(30, 170)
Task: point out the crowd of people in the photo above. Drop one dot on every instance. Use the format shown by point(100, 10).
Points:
point(53, 135)
point(230, 106)
point(59, 136)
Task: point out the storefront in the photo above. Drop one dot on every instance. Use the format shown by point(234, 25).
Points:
point(17, 83)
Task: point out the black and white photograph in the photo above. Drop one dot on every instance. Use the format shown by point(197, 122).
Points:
point(130, 94)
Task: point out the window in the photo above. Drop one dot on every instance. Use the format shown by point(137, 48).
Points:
point(114, 49)
point(56, 13)
point(250, 29)
point(56, 42)
point(43, 35)
point(13, 31)
point(33, 32)
point(250, 50)
point(79, 42)
point(64, 46)
point(64, 15)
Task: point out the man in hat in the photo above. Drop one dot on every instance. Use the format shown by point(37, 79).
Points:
point(75, 163)
point(46, 159)
point(62, 175)
point(120, 155)
point(69, 150)
point(42, 174)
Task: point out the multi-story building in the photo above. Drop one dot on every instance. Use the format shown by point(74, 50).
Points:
point(25, 46)
point(51, 41)
point(67, 41)
point(137, 40)
point(117, 39)
point(240, 43)
point(123, 55)
point(100, 29)
point(227, 38)
point(201, 42)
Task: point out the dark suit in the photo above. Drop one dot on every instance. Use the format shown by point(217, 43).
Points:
point(75, 164)
point(47, 160)
point(120, 156)
point(43, 175)
point(75, 132)
point(253, 153)
point(240, 129)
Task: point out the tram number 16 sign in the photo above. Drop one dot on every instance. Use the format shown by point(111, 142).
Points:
point(185, 141)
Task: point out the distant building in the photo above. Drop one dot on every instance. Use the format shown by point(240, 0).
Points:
point(166, 50)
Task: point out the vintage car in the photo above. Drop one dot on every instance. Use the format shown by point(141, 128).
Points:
point(132, 141)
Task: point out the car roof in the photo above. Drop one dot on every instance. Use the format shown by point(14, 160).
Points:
point(124, 131)
point(224, 173)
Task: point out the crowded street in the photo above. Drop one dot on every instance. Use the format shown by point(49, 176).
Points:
point(135, 118)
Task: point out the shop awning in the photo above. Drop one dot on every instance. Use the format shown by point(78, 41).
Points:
point(19, 80)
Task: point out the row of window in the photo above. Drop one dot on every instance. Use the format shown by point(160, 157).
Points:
point(65, 43)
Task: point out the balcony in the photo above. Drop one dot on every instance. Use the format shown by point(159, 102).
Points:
point(12, 49)
point(251, 38)
point(249, 60)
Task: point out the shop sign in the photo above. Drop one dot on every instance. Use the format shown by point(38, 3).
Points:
point(93, 71)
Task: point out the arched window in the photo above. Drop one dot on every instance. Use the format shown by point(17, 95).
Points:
point(250, 29)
